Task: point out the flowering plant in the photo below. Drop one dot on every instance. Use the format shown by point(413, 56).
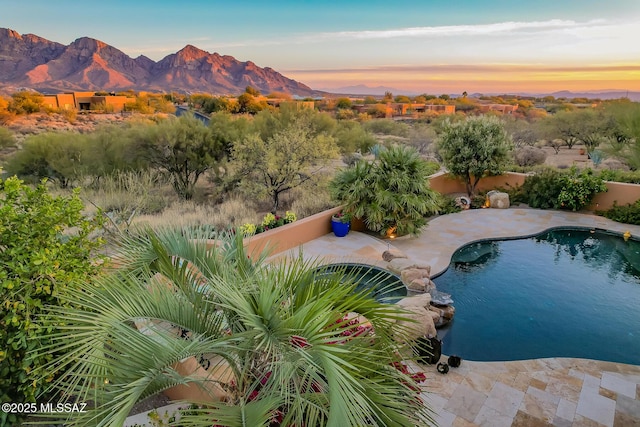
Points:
point(248, 229)
point(342, 216)
point(269, 221)
point(289, 217)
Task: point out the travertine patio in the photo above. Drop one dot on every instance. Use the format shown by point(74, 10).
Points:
point(542, 392)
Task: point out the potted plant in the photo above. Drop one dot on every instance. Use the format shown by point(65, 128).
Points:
point(341, 223)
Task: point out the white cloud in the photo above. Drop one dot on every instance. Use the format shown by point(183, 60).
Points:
point(499, 28)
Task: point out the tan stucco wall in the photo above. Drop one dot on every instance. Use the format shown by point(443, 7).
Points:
point(444, 184)
point(619, 192)
point(291, 235)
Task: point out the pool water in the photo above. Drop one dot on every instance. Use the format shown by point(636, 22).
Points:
point(383, 285)
point(564, 293)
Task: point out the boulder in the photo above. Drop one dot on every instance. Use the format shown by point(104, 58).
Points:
point(444, 315)
point(421, 285)
point(448, 312)
point(418, 323)
point(440, 298)
point(417, 285)
point(423, 300)
point(498, 200)
point(408, 275)
point(398, 264)
point(392, 254)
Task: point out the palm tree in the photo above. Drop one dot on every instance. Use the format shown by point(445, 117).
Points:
point(277, 344)
point(391, 194)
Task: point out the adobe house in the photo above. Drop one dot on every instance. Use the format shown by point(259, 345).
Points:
point(500, 108)
point(87, 101)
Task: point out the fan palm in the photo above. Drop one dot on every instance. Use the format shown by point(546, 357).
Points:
point(278, 344)
point(392, 194)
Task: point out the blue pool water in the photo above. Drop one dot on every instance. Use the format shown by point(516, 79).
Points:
point(564, 293)
point(383, 285)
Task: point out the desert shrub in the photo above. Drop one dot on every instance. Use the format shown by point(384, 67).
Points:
point(447, 204)
point(541, 190)
point(25, 102)
point(307, 203)
point(579, 188)
point(387, 127)
point(56, 156)
point(529, 156)
point(232, 212)
point(125, 195)
point(40, 258)
point(432, 167)
point(350, 137)
point(351, 159)
point(552, 189)
point(6, 138)
point(69, 114)
point(628, 214)
point(631, 177)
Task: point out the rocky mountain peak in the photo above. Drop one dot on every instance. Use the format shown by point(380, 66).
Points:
point(90, 64)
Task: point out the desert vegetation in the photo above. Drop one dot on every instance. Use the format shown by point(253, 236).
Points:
point(150, 167)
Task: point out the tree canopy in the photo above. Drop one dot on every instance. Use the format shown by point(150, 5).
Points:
point(283, 156)
point(185, 148)
point(474, 148)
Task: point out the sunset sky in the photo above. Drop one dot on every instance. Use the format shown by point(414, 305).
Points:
point(428, 46)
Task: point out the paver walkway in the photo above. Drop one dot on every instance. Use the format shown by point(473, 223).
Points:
point(542, 392)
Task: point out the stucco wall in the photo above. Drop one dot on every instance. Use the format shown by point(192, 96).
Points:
point(291, 235)
point(619, 192)
point(444, 184)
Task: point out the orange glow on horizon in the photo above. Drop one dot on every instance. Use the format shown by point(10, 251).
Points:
point(490, 78)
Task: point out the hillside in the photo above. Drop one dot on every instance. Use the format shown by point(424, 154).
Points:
point(89, 64)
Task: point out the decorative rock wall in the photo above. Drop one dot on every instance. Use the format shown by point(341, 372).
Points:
point(430, 308)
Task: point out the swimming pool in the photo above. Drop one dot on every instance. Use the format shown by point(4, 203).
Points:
point(563, 293)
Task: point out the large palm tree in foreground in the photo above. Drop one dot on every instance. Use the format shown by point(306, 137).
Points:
point(276, 344)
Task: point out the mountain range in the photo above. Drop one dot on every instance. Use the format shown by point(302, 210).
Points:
point(90, 65)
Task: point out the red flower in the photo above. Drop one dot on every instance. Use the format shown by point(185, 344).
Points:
point(265, 378)
point(298, 341)
point(401, 367)
point(419, 377)
point(253, 395)
point(278, 417)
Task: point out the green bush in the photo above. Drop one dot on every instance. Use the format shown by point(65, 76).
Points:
point(631, 177)
point(579, 188)
point(387, 127)
point(628, 214)
point(447, 204)
point(40, 257)
point(552, 189)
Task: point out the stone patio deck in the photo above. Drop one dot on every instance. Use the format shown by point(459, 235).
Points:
point(542, 392)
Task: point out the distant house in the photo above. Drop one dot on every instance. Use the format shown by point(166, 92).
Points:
point(277, 102)
point(87, 101)
point(500, 108)
point(398, 109)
